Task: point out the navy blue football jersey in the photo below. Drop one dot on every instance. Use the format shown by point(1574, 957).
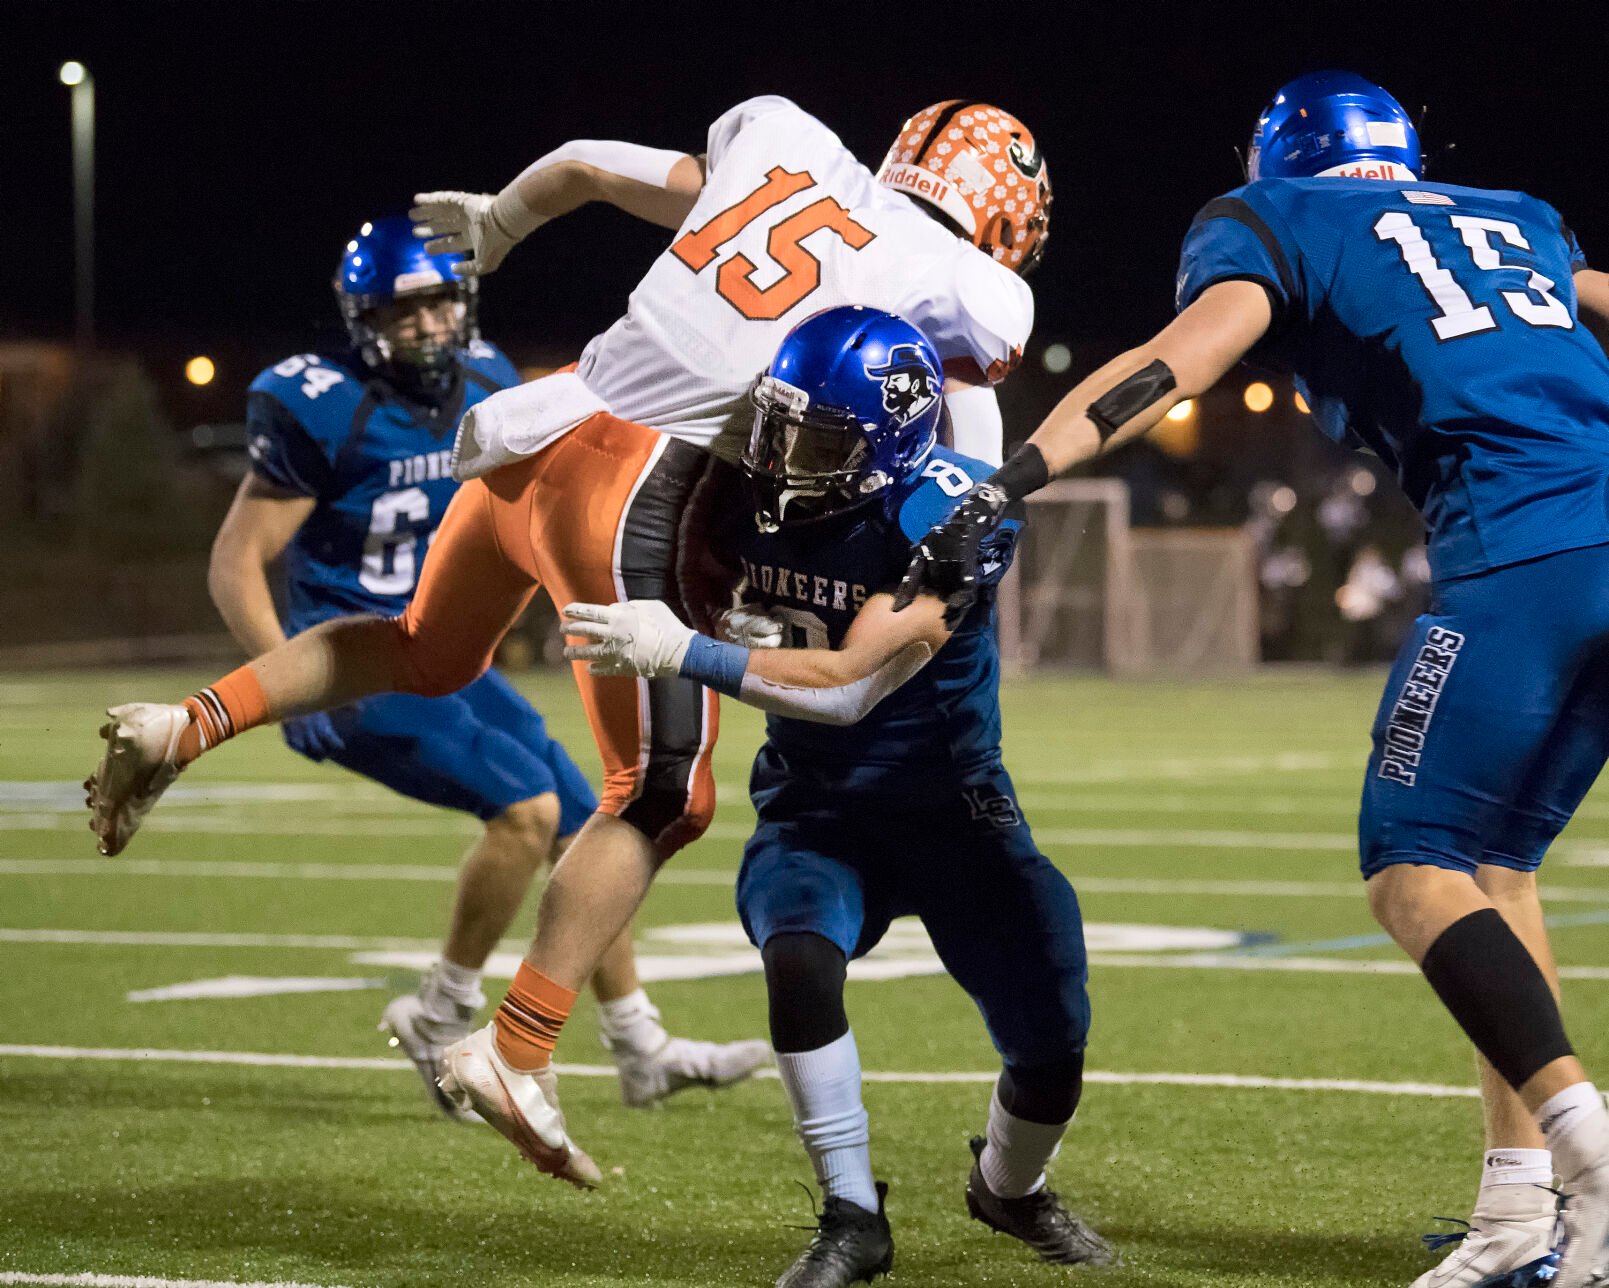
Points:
point(817, 576)
point(1435, 325)
point(378, 465)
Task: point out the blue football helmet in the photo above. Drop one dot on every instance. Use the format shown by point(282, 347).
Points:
point(407, 313)
point(849, 408)
point(1334, 123)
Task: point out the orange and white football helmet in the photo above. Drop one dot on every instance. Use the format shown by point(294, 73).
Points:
point(980, 167)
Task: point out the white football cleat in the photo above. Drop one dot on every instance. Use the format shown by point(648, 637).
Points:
point(1511, 1239)
point(524, 1107)
point(648, 1077)
point(142, 741)
point(422, 1037)
point(1585, 1214)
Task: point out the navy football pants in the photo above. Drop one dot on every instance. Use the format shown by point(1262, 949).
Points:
point(1495, 720)
point(1005, 922)
point(479, 750)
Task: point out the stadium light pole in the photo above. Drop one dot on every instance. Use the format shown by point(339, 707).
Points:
point(76, 77)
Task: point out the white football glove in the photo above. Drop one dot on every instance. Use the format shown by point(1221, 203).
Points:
point(477, 225)
point(751, 628)
point(640, 637)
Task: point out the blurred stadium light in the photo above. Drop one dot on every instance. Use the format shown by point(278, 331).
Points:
point(77, 78)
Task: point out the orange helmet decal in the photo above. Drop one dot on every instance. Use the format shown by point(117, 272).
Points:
point(980, 167)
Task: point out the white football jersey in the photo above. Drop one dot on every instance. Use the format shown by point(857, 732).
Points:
point(789, 223)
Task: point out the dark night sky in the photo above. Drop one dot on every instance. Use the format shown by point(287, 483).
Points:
point(240, 144)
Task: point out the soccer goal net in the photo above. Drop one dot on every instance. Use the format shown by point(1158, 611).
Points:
point(1088, 590)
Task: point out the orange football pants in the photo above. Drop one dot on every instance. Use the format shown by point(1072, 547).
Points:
point(595, 517)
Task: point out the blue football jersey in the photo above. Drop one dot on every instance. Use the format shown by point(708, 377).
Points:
point(817, 576)
point(1435, 325)
point(377, 464)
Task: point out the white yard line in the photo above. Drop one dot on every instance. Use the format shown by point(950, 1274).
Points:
point(969, 1077)
point(1103, 960)
point(673, 875)
point(1184, 768)
point(232, 870)
point(139, 1281)
point(213, 939)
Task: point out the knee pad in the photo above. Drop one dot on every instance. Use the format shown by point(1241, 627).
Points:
point(1042, 1093)
point(804, 981)
point(669, 816)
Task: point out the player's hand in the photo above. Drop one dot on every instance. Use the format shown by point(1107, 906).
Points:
point(463, 223)
point(640, 637)
point(750, 628)
point(947, 559)
point(315, 735)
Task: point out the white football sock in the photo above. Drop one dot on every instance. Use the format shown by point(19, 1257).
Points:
point(1576, 1126)
point(1014, 1160)
point(631, 1023)
point(823, 1087)
point(447, 987)
point(1516, 1167)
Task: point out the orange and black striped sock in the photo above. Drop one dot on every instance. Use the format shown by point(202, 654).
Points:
point(232, 705)
point(529, 1020)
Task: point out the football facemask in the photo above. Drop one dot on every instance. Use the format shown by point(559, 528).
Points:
point(805, 463)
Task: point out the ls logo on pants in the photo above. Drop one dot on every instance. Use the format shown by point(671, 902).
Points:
point(1000, 811)
point(1409, 726)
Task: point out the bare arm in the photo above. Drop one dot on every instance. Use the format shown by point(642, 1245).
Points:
point(840, 686)
point(260, 524)
point(875, 637)
point(1119, 402)
point(651, 183)
point(825, 685)
point(1592, 301)
point(555, 187)
point(1198, 347)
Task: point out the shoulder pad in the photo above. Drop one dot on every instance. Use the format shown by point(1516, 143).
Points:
point(308, 380)
point(943, 480)
point(492, 363)
point(996, 314)
point(732, 122)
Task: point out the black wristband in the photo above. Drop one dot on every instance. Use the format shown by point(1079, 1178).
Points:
point(1025, 472)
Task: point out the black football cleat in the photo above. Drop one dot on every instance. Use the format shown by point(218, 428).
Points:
point(1038, 1219)
point(850, 1245)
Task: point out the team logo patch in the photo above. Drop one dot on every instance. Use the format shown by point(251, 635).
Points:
point(1408, 729)
point(1026, 159)
point(910, 385)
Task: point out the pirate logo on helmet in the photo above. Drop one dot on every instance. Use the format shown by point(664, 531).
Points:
point(908, 383)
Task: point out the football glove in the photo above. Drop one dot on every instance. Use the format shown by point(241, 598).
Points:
point(313, 735)
point(640, 637)
point(948, 558)
point(750, 628)
point(476, 225)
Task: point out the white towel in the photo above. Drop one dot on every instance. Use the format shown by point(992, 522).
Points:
point(519, 422)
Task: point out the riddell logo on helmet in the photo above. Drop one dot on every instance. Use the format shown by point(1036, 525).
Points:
point(1368, 170)
point(931, 187)
point(919, 180)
